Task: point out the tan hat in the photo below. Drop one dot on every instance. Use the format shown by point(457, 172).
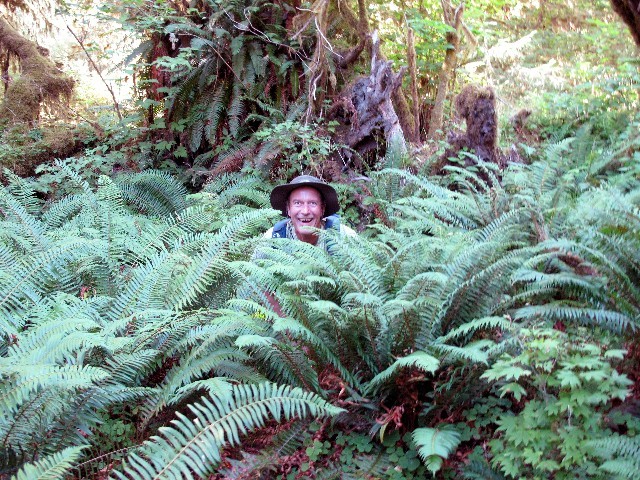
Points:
point(280, 194)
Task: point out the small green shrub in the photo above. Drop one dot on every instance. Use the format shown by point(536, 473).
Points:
point(569, 382)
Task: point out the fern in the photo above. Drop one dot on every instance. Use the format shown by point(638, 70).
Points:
point(420, 360)
point(621, 455)
point(52, 467)
point(156, 193)
point(435, 445)
point(192, 447)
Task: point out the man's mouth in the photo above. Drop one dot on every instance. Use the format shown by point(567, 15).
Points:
point(305, 220)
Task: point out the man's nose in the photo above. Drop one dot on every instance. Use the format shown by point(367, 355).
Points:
point(305, 208)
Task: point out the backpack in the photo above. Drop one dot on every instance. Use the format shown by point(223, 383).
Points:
point(280, 228)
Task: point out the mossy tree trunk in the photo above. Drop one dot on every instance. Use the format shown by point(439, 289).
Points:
point(40, 79)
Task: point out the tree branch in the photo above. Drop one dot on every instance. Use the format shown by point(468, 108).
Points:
point(95, 67)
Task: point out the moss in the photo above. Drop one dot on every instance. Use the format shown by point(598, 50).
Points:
point(40, 80)
point(23, 148)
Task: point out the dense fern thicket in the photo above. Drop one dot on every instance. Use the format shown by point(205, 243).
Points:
point(485, 325)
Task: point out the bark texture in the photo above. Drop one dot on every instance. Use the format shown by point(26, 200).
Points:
point(629, 11)
point(365, 110)
point(477, 107)
point(453, 17)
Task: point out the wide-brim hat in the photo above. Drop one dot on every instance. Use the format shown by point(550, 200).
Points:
point(280, 194)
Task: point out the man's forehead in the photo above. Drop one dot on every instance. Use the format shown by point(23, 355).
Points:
point(305, 191)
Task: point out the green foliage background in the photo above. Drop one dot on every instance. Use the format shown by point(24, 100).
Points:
point(483, 324)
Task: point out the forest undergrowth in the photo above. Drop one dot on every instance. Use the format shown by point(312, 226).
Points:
point(481, 325)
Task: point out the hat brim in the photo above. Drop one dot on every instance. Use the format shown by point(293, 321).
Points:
point(280, 195)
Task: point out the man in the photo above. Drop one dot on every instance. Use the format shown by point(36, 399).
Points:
point(310, 204)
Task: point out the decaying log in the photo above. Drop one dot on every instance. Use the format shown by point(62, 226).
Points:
point(365, 109)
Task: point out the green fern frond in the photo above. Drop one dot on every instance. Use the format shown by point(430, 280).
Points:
point(474, 352)
point(153, 192)
point(40, 273)
point(24, 192)
point(285, 361)
point(435, 445)
point(179, 381)
point(420, 360)
point(21, 380)
point(63, 210)
point(210, 265)
point(52, 467)
point(480, 470)
point(298, 331)
point(191, 448)
point(475, 325)
point(215, 109)
point(141, 51)
point(621, 455)
point(282, 444)
point(31, 228)
point(236, 110)
point(234, 189)
point(555, 311)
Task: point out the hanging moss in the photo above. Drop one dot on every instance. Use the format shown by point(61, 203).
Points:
point(40, 80)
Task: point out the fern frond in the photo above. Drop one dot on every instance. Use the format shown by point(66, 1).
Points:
point(154, 192)
point(282, 444)
point(475, 325)
point(555, 311)
point(191, 448)
point(179, 381)
point(285, 362)
point(63, 210)
point(31, 227)
point(420, 360)
point(299, 331)
point(236, 108)
point(210, 265)
point(24, 191)
point(435, 445)
point(52, 467)
point(21, 380)
point(214, 114)
point(474, 352)
point(621, 455)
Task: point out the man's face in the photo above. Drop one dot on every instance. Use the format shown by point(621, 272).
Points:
point(306, 209)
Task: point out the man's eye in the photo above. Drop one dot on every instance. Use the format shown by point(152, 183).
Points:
point(313, 204)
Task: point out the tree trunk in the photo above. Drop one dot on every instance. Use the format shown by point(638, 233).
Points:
point(453, 19)
point(40, 79)
point(413, 74)
point(629, 11)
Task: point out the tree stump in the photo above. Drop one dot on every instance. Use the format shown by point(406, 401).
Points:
point(477, 106)
point(365, 112)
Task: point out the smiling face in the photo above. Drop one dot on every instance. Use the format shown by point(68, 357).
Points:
point(305, 207)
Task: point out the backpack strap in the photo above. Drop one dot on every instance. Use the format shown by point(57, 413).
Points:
point(280, 229)
point(332, 221)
